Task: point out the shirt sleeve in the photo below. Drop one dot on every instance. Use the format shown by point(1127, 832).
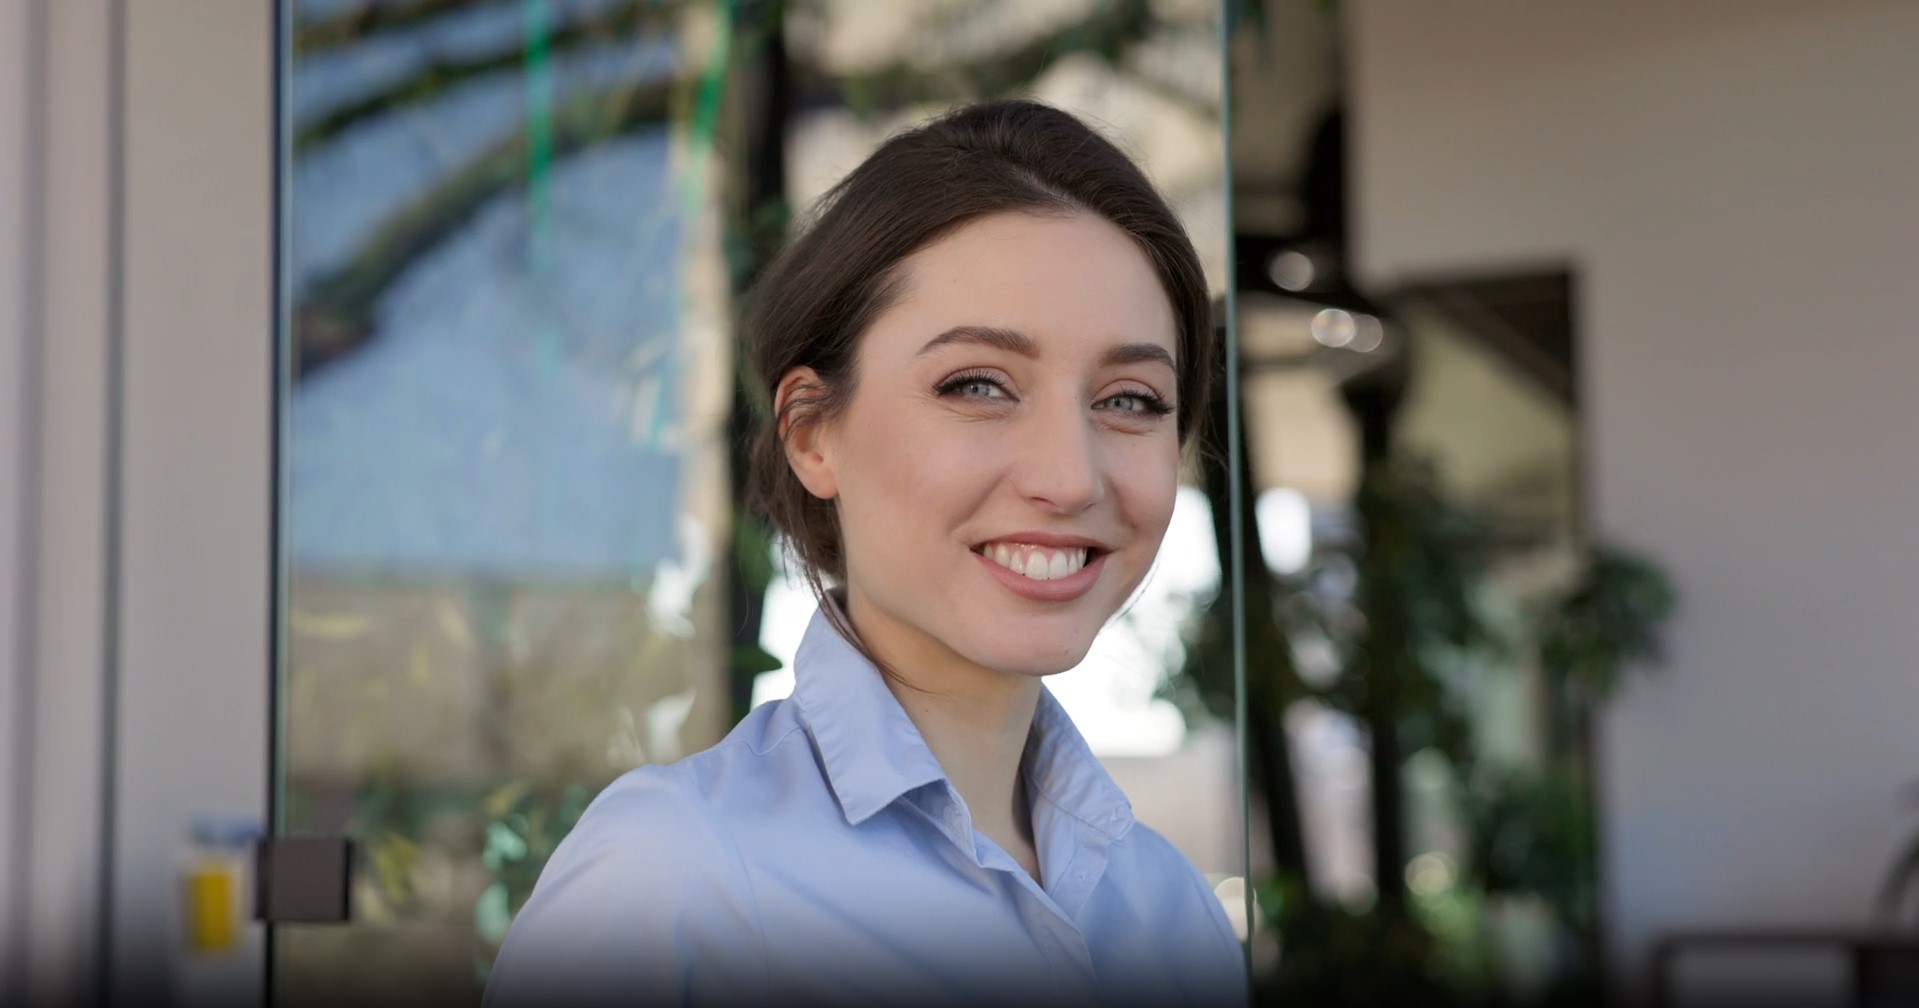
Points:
point(646, 901)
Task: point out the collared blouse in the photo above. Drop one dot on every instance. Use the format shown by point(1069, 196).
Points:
point(819, 855)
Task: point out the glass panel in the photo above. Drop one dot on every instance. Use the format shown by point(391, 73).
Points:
point(517, 232)
point(504, 464)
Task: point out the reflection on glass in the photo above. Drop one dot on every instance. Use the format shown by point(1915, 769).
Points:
point(517, 232)
point(504, 454)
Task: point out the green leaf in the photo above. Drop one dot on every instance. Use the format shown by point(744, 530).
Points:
point(503, 845)
point(490, 914)
point(751, 659)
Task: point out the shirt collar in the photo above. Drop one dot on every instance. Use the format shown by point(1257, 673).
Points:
point(873, 753)
point(1061, 767)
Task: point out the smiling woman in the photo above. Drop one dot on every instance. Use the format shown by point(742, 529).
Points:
point(981, 360)
point(1033, 423)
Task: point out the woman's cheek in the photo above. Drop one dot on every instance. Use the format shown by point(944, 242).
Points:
point(1148, 483)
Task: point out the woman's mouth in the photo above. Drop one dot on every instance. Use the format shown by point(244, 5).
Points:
point(1040, 563)
point(1043, 573)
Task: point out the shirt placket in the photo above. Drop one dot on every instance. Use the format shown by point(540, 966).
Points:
point(1059, 939)
point(1060, 942)
point(1052, 912)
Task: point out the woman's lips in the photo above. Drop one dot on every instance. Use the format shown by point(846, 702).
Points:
point(1064, 589)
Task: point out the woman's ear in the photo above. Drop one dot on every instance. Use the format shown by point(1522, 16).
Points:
point(807, 439)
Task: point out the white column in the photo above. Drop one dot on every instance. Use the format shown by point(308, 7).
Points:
point(17, 86)
point(195, 605)
point(59, 327)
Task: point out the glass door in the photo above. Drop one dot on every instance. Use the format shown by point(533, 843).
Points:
point(514, 236)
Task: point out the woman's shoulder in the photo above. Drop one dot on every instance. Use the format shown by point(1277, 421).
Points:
point(1148, 845)
point(1146, 851)
point(686, 815)
point(1146, 860)
point(686, 783)
point(636, 898)
point(649, 831)
point(1167, 887)
point(659, 800)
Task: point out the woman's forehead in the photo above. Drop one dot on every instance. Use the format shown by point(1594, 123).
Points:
point(1061, 284)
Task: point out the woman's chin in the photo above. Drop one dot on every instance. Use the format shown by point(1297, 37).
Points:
point(1025, 643)
point(1035, 658)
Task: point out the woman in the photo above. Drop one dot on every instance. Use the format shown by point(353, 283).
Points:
point(983, 359)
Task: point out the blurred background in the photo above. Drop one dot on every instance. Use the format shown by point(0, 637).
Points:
point(369, 431)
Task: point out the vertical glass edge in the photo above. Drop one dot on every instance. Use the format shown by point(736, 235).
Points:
point(113, 480)
point(279, 386)
point(1236, 574)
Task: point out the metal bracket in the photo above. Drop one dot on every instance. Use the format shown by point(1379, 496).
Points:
point(303, 879)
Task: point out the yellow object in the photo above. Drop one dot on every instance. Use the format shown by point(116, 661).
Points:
point(213, 906)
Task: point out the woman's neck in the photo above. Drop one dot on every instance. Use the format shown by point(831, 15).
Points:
point(975, 719)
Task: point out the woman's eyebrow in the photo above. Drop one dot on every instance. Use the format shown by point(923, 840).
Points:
point(1137, 353)
point(1014, 341)
point(1009, 340)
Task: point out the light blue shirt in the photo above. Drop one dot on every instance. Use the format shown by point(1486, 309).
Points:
point(818, 855)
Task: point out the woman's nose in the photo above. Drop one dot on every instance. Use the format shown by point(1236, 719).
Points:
point(1059, 463)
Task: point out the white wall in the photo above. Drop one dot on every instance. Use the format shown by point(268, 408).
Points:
point(195, 607)
point(16, 86)
point(1737, 184)
point(58, 275)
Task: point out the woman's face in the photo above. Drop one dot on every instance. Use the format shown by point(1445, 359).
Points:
point(1006, 467)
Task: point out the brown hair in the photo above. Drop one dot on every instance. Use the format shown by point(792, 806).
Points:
point(821, 293)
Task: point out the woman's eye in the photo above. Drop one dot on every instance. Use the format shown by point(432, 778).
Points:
point(974, 388)
point(1136, 402)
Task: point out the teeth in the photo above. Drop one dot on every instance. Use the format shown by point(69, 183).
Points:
point(1036, 562)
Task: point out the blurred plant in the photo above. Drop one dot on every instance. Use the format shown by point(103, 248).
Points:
point(1406, 621)
point(387, 819)
point(1527, 833)
point(523, 827)
point(1418, 611)
point(1331, 955)
point(1609, 622)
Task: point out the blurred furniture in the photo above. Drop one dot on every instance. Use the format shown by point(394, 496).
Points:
point(1710, 969)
